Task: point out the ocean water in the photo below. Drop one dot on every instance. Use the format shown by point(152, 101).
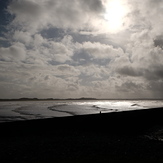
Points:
point(26, 110)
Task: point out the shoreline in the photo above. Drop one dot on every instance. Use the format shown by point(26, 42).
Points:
point(139, 119)
point(106, 137)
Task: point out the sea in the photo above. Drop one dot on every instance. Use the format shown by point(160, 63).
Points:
point(27, 110)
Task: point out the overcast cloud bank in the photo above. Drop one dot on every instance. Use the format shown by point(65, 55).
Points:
point(66, 49)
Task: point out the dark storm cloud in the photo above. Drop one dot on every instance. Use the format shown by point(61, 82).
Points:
point(53, 33)
point(154, 73)
point(158, 41)
point(61, 14)
point(130, 71)
point(93, 5)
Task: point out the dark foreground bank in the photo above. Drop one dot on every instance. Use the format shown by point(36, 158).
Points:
point(112, 137)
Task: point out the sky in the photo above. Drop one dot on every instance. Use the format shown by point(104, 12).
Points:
point(81, 48)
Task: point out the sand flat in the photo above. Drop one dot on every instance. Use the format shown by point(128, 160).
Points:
point(108, 137)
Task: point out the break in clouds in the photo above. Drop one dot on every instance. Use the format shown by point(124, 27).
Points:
point(88, 48)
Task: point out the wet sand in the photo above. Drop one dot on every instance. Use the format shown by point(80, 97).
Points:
point(107, 137)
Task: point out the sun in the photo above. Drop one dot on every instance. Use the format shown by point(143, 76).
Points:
point(114, 14)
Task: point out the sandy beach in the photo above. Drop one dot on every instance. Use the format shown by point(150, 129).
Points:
point(131, 136)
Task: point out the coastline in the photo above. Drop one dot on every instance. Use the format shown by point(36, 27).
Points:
point(106, 137)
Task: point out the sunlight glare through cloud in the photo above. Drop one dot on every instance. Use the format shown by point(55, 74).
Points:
point(114, 15)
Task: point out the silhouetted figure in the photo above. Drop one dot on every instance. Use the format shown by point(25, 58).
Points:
point(100, 112)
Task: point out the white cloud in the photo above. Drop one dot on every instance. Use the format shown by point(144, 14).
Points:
point(101, 51)
point(16, 52)
point(21, 36)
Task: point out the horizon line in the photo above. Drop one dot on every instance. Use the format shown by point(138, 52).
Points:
point(82, 98)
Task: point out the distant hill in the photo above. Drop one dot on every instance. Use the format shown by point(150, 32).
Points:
point(36, 99)
point(52, 99)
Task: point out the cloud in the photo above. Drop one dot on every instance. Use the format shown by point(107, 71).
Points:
point(15, 52)
point(32, 16)
point(42, 50)
point(67, 70)
point(129, 71)
point(20, 36)
point(146, 15)
point(101, 51)
point(43, 81)
point(66, 49)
